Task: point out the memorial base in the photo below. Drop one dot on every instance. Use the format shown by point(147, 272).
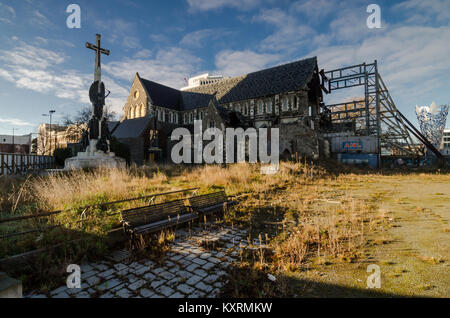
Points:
point(92, 158)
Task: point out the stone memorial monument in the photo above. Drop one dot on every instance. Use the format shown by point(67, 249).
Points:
point(97, 153)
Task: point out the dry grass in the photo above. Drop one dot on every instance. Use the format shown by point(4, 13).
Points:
point(303, 209)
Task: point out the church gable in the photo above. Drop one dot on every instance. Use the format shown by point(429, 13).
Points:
point(137, 102)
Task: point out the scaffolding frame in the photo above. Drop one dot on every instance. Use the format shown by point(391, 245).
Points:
point(376, 115)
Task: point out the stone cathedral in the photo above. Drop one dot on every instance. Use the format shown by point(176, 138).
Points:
point(288, 97)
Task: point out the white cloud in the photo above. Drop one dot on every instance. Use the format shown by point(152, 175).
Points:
point(314, 9)
point(39, 40)
point(143, 54)
point(14, 122)
point(202, 5)
point(131, 42)
point(234, 63)
point(40, 70)
point(31, 56)
point(196, 39)
point(350, 26)
point(160, 38)
point(7, 14)
point(119, 31)
point(420, 11)
point(290, 34)
point(413, 61)
point(39, 19)
point(6, 75)
point(169, 67)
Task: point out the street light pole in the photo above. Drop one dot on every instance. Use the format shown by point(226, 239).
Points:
point(50, 113)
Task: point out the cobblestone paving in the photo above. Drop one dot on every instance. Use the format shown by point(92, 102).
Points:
point(189, 270)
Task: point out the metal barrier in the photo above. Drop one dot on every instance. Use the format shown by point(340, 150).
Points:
point(15, 163)
point(39, 214)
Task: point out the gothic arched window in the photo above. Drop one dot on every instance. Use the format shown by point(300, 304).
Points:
point(285, 104)
point(261, 107)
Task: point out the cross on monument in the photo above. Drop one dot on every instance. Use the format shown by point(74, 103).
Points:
point(98, 128)
point(98, 54)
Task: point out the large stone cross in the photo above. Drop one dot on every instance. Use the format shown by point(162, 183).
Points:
point(98, 53)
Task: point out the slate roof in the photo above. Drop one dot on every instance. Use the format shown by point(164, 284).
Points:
point(276, 80)
point(132, 128)
point(112, 125)
point(192, 100)
point(280, 79)
point(230, 117)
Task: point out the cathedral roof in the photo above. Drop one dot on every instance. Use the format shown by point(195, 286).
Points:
point(163, 96)
point(132, 128)
point(280, 79)
point(272, 81)
point(193, 100)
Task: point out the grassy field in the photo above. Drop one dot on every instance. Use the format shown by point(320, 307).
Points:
point(316, 229)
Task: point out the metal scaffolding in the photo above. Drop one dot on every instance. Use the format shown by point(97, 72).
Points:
point(376, 114)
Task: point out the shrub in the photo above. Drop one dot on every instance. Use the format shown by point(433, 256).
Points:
point(61, 154)
point(120, 149)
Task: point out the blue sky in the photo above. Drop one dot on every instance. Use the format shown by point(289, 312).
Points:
point(44, 65)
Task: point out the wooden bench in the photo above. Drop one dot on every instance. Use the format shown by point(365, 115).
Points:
point(210, 203)
point(152, 218)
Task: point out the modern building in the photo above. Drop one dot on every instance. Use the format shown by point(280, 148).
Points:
point(445, 147)
point(432, 121)
point(200, 80)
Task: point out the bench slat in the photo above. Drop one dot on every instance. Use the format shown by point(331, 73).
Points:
point(153, 213)
point(151, 218)
point(164, 223)
point(210, 202)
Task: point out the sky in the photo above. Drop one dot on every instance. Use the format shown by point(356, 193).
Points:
point(44, 65)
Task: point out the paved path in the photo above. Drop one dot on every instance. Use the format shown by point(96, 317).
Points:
point(189, 270)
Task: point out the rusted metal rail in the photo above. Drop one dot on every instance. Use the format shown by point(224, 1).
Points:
point(45, 214)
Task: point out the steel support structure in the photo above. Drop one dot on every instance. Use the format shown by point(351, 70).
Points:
point(376, 114)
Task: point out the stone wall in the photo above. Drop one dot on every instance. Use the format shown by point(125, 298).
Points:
point(297, 138)
point(136, 105)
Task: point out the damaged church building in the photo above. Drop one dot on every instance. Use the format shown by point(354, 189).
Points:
point(288, 97)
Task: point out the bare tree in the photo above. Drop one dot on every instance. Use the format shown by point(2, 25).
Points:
point(84, 115)
point(79, 123)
